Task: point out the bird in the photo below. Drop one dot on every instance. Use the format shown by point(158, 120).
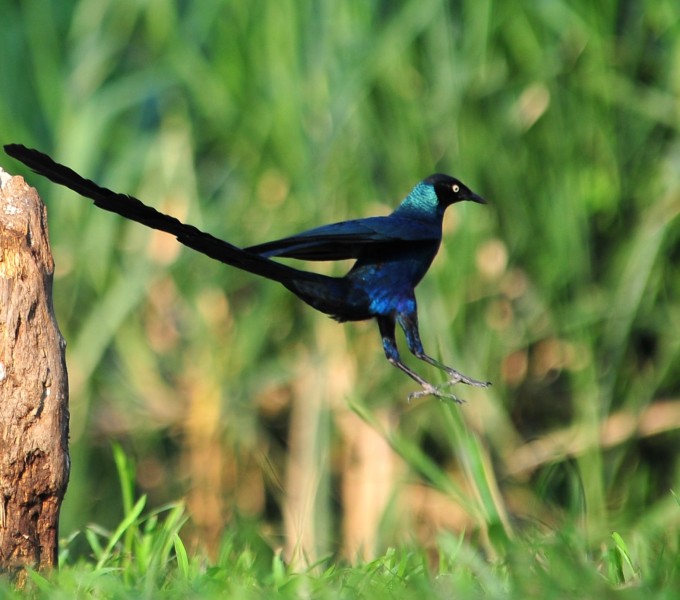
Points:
point(392, 254)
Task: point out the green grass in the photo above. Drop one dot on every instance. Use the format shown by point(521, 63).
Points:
point(145, 557)
point(268, 438)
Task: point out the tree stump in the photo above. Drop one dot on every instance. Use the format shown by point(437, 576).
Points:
point(34, 461)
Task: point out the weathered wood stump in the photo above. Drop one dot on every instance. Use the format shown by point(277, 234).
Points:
point(34, 461)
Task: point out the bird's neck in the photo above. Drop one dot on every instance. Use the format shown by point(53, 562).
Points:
point(421, 204)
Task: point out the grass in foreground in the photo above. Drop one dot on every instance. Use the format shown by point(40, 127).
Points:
point(146, 557)
point(554, 565)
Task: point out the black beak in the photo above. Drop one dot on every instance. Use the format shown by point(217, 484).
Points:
point(475, 198)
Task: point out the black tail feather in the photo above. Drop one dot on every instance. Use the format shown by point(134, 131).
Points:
point(135, 210)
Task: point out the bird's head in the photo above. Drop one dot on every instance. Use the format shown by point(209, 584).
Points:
point(430, 198)
point(449, 190)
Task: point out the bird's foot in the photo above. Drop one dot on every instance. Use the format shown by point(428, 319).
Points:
point(457, 377)
point(433, 390)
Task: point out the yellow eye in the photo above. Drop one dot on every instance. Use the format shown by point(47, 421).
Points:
point(456, 188)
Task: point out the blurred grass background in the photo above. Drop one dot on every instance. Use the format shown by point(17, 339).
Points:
point(253, 120)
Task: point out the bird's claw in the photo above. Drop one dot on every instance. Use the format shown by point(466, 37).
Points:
point(457, 377)
point(432, 390)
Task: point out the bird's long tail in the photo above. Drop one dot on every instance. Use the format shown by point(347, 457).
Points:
point(320, 291)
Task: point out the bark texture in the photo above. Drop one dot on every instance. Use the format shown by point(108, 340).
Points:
point(34, 461)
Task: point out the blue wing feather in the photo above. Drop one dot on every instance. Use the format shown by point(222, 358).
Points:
point(350, 239)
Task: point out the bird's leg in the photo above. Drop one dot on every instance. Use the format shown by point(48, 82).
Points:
point(409, 323)
point(386, 325)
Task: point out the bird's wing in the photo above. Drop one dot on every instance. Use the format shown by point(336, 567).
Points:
point(350, 239)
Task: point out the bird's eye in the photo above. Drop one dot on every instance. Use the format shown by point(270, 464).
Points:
point(456, 188)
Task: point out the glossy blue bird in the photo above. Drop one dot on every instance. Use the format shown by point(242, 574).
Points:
point(392, 254)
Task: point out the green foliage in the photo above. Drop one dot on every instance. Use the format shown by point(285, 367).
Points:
point(549, 566)
point(145, 557)
point(257, 119)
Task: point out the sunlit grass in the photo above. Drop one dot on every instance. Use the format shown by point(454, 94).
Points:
point(145, 556)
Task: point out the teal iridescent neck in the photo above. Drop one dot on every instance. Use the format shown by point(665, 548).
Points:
point(422, 204)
